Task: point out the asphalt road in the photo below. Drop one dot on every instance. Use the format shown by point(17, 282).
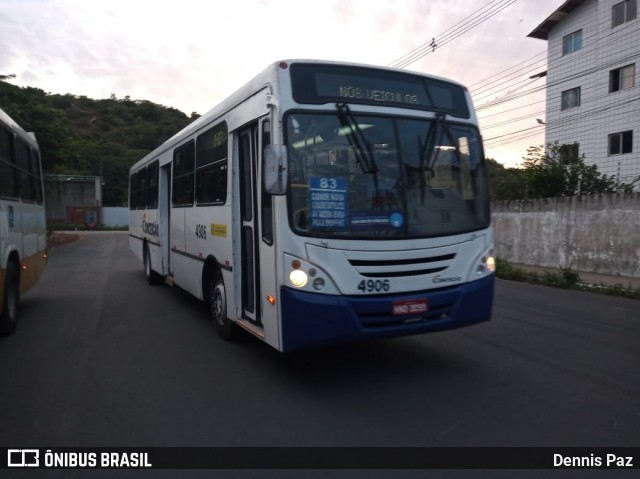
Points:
point(100, 358)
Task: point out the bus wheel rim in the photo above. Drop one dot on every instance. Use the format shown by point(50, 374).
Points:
point(218, 304)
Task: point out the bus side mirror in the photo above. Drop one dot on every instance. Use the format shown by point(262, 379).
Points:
point(274, 169)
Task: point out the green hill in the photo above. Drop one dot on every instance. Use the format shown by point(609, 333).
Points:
point(81, 136)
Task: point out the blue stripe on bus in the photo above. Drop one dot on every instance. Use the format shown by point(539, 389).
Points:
point(311, 319)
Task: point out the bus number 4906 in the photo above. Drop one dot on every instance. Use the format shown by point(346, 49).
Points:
point(371, 286)
point(201, 232)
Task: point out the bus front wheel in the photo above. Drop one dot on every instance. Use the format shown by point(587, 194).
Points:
point(10, 307)
point(150, 275)
point(218, 307)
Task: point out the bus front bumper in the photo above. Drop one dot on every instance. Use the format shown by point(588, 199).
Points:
point(311, 319)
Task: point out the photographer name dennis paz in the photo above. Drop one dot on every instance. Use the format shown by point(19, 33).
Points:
point(610, 460)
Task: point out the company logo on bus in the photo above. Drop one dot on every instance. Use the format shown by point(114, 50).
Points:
point(151, 229)
point(452, 279)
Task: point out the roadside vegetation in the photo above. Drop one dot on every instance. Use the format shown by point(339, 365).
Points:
point(566, 278)
point(81, 136)
point(553, 172)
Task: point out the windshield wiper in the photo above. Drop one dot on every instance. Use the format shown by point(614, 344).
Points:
point(429, 151)
point(358, 142)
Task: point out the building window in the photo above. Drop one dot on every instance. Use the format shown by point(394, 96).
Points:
point(620, 143)
point(622, 78)
point(572, 42)
point(570, 98)
point(623, 12)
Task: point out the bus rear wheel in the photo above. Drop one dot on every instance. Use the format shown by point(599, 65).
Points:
point(218, 307)
point(10, 307)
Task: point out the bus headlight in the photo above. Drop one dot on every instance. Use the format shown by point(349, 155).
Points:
point(490, 262)
point(298, 278)
point(306, 276)
point(485, 265)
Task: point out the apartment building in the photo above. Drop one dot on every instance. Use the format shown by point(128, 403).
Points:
point(593, 93)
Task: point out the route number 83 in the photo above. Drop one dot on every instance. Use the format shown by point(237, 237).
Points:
point(374, 286)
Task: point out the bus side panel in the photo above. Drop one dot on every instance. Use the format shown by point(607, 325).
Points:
point(32, 269)
point(23, 231)
point(136, 236)
point(208, 234)
point(135, 243)
point(32, 228)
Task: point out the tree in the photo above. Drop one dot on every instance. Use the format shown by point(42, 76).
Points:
point(506, 183)
point(81, 136)
point(560, 171)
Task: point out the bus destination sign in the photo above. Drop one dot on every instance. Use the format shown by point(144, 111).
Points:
point(318, 84)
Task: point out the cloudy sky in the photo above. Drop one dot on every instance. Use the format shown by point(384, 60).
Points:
point(190, 54)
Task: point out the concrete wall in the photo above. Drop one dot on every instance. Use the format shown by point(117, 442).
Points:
point(115, 216)
point(63, 192)
point(597, 234)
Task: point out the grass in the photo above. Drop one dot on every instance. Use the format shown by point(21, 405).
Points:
point(565, 278)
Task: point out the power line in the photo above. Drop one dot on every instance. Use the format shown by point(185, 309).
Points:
point(507, 79)
point(507, 69)
point(561, 122)
point(460, 28)
point(512, 109)
point(517, 135)
point(572, 77)
point(426, 46)
point(524, 71)
point(603, 33)
point(513, 120)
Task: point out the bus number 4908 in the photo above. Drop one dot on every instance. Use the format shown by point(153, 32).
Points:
point(371, 286)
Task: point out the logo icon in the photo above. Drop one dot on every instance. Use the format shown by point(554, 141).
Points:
point(23, 458)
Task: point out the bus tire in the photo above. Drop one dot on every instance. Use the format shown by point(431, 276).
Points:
point(11, 303)
point(150, 275)
point(218, 307)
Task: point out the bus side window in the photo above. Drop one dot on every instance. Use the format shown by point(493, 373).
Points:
point(267, 199)
point(8, 184)
point(23, 160)
point(183, 173)
point(37, 175)
point(211, 166)
point(152, 185)
point(133, 191)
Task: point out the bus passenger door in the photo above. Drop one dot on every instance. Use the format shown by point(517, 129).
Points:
point(164, 206)
point(257, 269)
point(249, 226)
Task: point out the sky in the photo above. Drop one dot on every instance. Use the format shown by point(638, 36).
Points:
point(191, 54)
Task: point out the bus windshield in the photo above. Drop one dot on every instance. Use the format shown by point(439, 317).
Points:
point(357, 176)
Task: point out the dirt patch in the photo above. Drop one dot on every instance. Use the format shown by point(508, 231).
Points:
point(59, 239)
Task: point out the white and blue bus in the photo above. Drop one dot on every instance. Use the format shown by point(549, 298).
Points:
point(324, 202)
point(23, 233)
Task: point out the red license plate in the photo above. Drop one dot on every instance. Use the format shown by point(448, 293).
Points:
point(413, 306)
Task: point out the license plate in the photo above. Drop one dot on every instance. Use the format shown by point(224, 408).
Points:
point(414, 306)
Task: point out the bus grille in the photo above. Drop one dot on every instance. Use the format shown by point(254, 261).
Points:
point(390, 268)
